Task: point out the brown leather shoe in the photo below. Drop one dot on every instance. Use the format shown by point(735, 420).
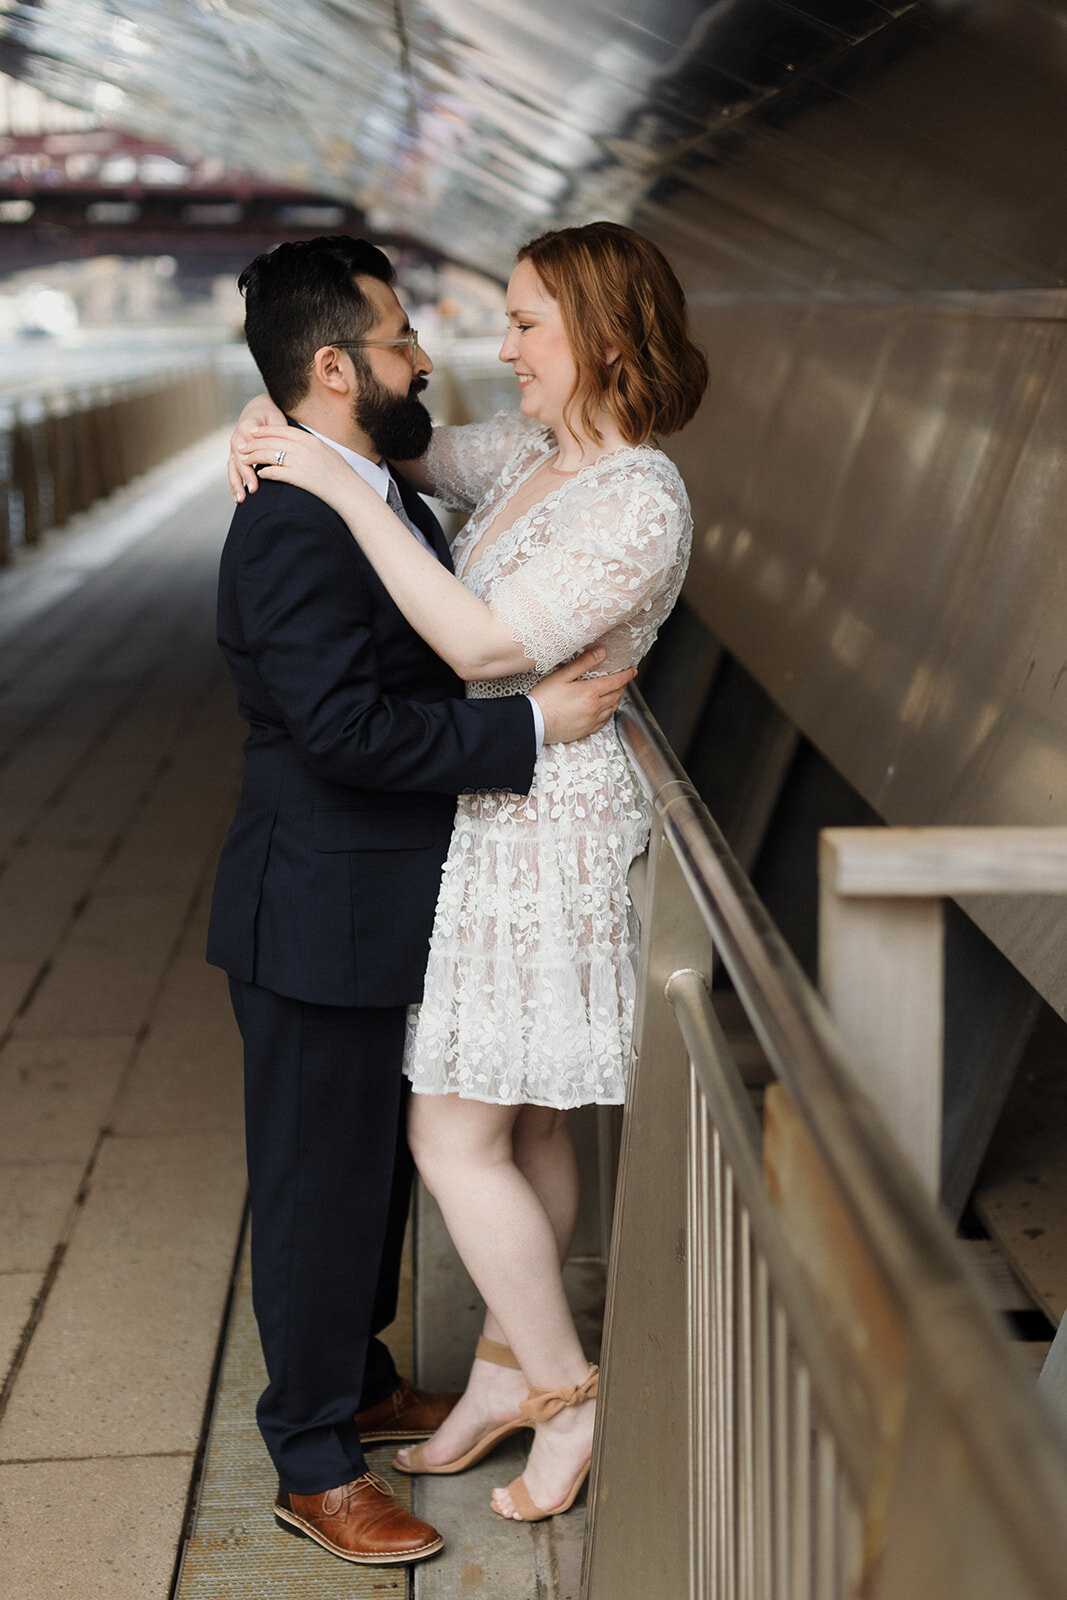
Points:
point(360, 1521)
point(407, 1413)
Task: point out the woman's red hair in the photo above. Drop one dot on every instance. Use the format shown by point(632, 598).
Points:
point(617, 293)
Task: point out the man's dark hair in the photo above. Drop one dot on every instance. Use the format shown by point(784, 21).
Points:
point(302, 296)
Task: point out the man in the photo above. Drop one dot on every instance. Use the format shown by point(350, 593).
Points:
point(359, 740)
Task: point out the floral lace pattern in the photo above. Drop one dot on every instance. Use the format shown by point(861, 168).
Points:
point(531, 976)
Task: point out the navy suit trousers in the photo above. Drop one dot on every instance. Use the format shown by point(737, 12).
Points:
point(330, 1182)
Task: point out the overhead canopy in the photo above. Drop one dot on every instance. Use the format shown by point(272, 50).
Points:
point(469, 123)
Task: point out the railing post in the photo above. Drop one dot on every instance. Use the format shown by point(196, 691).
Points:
point(882, 973)
point(7, 480)
point(32, 478)
point(881, 952)
point(638, 1534)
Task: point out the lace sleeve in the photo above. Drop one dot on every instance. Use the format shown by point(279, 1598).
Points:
point(617, 561)
point(464, 463)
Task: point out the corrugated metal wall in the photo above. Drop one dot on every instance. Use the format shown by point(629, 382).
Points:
point(878, 472)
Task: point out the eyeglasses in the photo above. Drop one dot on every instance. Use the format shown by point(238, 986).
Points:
point(411, 339)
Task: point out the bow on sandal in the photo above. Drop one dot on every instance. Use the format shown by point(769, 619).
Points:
point(539, 1406)
point(500, 1356)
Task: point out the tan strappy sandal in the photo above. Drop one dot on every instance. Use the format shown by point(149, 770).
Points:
point(500, 1356)
point(539, 1407)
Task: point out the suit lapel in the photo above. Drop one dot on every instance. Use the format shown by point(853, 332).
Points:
point(417, 510)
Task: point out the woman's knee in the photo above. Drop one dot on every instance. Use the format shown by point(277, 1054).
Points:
point(448, 1135)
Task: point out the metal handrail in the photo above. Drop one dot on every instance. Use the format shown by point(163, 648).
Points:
point(62, 449)
point(1013, 1443)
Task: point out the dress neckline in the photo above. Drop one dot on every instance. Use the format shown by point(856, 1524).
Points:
point(587, 466)
point(566, 479)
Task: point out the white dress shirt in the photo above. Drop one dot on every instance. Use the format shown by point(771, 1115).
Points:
point(377, 474)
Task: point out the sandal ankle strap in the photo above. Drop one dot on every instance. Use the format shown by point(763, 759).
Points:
point(499, 1354)
point(541, 1404)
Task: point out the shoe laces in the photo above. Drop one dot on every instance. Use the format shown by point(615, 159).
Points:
point(379, 1483)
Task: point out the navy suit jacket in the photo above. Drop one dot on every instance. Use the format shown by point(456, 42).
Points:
point(359, 741)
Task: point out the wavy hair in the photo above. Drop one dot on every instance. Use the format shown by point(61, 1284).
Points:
point(617, 293)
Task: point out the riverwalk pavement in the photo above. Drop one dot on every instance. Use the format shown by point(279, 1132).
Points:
point(124, 1319)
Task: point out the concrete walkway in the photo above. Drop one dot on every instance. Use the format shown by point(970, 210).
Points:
point(121, 1161)
point(121, 1164)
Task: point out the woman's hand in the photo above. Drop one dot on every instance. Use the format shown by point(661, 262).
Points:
point(457, 624)
point(292, 455)
point(260, 412)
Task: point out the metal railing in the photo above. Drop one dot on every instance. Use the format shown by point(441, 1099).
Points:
point(62, 451)
point(805, 1394)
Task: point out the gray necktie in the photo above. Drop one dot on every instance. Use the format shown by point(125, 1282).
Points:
point(396, 506)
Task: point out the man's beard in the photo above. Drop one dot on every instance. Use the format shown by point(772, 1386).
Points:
point(398, 425)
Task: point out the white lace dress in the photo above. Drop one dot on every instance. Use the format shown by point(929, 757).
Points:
point(530, 984)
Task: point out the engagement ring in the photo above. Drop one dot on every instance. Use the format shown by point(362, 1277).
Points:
point(279, 457)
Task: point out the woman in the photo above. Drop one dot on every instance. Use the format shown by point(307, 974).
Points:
point(579, 532)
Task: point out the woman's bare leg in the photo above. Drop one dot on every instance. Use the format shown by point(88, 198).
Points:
point(542, 1151)
point(509, 1246)
point(545, 1156)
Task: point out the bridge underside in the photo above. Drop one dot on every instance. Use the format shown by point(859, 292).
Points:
point(474, 124)
point(60, 230)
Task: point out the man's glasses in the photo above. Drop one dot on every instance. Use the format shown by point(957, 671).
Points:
point(411, 339)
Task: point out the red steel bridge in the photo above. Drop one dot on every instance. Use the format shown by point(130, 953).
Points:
point(66, 196)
